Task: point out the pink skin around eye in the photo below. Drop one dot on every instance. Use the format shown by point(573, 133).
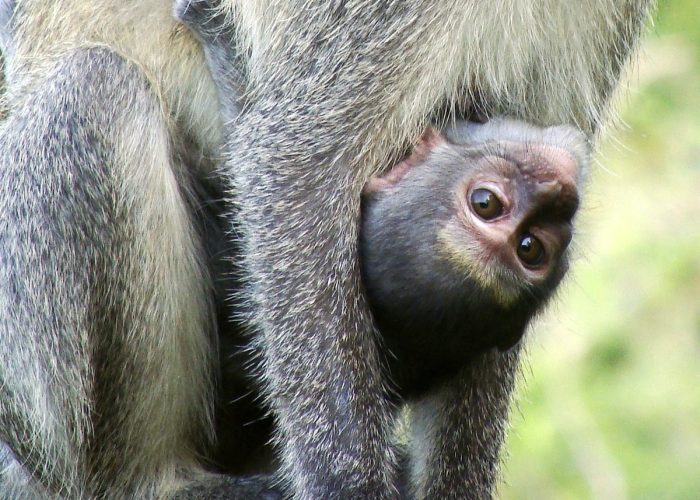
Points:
point(498, 238)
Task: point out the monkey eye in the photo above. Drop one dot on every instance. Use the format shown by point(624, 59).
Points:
point(486, 204)
point(530, 250)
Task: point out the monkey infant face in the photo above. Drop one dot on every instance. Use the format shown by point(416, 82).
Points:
point(464, 241)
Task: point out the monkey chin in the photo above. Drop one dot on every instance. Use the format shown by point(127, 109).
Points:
point(487, 270)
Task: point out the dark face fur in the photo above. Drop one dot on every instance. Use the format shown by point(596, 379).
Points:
point(465, 240)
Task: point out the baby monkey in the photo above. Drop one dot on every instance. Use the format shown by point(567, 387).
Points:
point(465, 240)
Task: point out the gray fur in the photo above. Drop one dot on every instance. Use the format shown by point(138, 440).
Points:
point(334, 93)
point(332, 89)
point(99, 261)
point(105, 314)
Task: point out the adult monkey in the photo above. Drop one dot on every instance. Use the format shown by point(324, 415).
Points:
point(336, 88)
point(110, 110)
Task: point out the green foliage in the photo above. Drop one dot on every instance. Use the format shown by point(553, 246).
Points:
point(610, 407)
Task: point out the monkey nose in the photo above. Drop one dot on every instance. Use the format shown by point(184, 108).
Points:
point(555, 199)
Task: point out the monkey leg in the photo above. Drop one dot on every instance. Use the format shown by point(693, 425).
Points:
point(323, 376)
point(105, 384)
point(453, 430)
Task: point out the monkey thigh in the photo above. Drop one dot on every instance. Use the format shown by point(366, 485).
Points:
point(105, 383)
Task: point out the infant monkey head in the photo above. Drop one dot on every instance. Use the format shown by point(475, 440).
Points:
point(466, 239)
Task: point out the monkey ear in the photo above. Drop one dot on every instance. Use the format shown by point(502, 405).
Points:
point(429, 140)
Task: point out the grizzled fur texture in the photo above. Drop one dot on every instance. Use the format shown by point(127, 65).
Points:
point(332, 89)
point(107, 315)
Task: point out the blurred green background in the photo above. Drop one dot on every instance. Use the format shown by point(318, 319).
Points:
point(609, 402)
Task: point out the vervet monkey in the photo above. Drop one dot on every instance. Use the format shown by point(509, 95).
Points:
point(106, 310)
point(462, 243)
point(319, 72)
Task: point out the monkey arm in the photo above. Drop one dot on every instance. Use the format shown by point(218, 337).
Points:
point(47, 262)
point(453, 429)
point(320, 362)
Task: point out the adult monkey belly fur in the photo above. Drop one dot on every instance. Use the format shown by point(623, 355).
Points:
point(106, 325)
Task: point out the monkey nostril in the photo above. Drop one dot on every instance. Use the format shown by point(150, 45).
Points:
point(568, 202)
point(553, 199)
point(530, 250)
